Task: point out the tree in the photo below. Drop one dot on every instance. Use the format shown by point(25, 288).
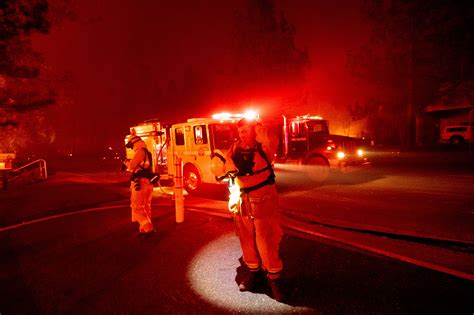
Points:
point(450, 94)
point(267, 56)
point(26, 91)
point(23, 93)
point(414, 46)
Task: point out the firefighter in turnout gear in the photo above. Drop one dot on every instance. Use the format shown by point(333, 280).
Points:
point(256, 211)
point(141, 188)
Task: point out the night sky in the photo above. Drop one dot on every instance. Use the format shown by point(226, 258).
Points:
point(119, 58)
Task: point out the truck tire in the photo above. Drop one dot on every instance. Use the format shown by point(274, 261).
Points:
point(191, 179)
point(318, 169)
point(456, 140)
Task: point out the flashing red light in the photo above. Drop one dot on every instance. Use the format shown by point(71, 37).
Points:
point(249, 114)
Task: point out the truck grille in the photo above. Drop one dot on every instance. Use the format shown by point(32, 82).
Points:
point(349, 147)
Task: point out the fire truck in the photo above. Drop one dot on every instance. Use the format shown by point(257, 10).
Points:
point(304, 141)
point(156, 137)
point(194, 141)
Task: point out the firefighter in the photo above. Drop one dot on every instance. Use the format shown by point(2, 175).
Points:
point(140, 186)
point(256, 215)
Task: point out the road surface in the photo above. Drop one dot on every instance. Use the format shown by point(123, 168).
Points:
point(91, 262)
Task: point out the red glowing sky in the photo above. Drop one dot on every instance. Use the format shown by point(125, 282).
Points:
point(119, 53)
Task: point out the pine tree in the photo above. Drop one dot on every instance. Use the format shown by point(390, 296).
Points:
point(267, 56)
point(23, 92)
point(414, 47)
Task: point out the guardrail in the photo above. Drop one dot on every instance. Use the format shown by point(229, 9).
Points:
point(41, 165)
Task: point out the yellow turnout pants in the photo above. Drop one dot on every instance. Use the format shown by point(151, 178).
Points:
point(140, 202)
point(258, 228)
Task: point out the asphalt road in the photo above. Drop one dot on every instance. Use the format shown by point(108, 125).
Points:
point(420, 202)
point(92, 263)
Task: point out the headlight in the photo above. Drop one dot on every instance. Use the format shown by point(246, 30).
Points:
point(360, 152)
point(341, 155)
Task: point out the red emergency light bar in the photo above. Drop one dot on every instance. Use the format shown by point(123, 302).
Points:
point(250, 114)
point(308, 116)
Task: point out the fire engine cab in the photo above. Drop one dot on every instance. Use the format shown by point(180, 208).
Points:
point(195, 141)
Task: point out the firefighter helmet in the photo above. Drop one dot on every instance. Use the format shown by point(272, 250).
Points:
point(132, 140)
point(217, 164)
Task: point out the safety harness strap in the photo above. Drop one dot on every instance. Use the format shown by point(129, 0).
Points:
point(269, 181)
point(258, 147)
point(269, 164)
point(271, 178)
point(144, 172)
point(269, 167)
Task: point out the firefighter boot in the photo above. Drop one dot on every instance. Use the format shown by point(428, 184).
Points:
point(251, 280)
point(275, 284)
point(145, 235)
point(146, 230)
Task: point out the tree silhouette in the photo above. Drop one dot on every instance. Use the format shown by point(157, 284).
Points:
point(414, 47)
point(23, 93)
point(26, 90)
point(267, 55)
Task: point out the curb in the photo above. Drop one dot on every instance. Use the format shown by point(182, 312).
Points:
point(414, 261)
point(367, 228)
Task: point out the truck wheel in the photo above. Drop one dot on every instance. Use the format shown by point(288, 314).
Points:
point(318, 169)
point(456, 140)
point(191, 179)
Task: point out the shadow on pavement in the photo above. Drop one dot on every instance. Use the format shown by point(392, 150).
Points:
point(296, 181)
point(191, 268)
point(356, 178)
point(60, 193)
point(335, 279)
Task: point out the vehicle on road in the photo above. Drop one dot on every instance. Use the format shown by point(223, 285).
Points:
point(457, 134)
point(303, 140)
point(307, 142)
point(194, 141)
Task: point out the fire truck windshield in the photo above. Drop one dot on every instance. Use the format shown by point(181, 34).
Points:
point(224, 135)
point(317, 126)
